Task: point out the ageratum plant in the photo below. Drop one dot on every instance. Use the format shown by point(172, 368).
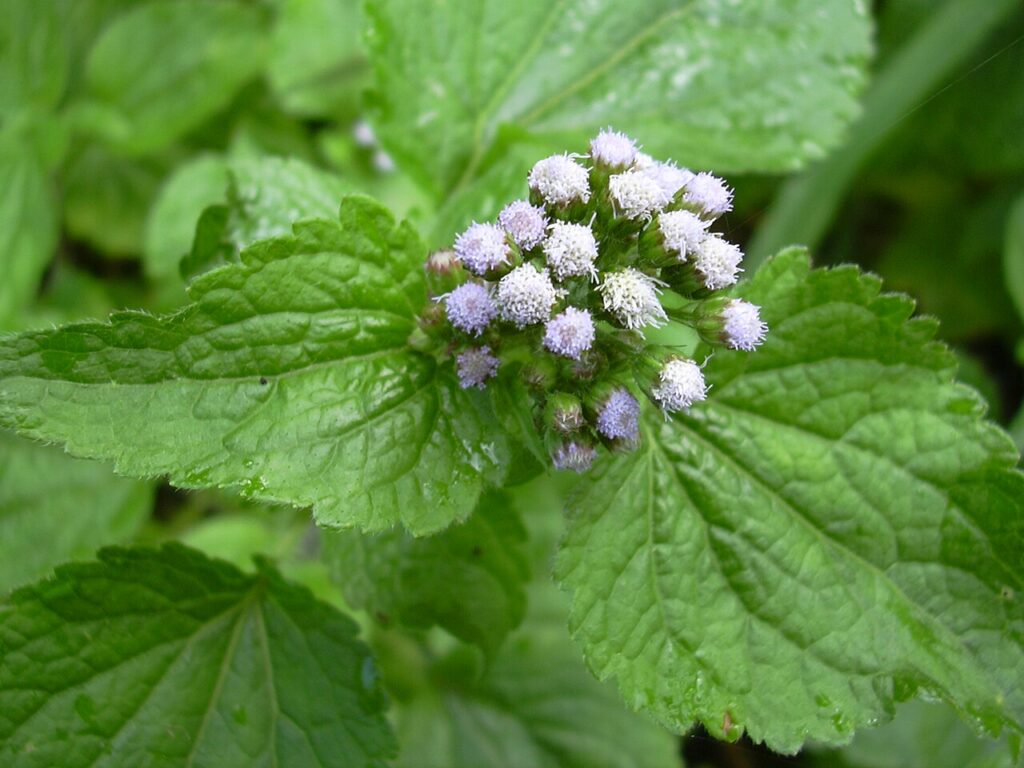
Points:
point(451, 426)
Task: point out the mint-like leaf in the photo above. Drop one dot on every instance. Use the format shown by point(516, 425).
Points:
point(835, 529)
point(288, 376)
point(468, 579)
point(666, 72)
point(34, 55)
point(168, 658)
point(54, 508)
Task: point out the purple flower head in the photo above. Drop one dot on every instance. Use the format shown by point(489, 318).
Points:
point(743, 326)
point(619, 417)
point(574, 455)
point(526, 224)
point(470, 308)
point(475, 366)
point(482, 247)
point(709, 193)
point(569, 333)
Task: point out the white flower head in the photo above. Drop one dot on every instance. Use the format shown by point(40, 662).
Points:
point(670, 177)
point(441, 262)
point(709, 193)
point(526, 296)
point(526, 224)
point(569, 333)
point(574, 455)
point(743, 326)
point(475, 366)
point(718, 262)
point(680, 385)
point(682, 231)
point(642, 161)
point(619, 416)
point(482, 247)
point(636, 195)
point(571, 250)
point(560, 180)
point(470, 308)
point(613, 149)
point(632, 297)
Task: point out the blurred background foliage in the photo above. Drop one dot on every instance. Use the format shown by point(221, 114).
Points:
point(123, 123)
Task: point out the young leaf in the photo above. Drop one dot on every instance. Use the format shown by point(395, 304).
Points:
point(34, 53)
point(166, 658)
point(288, 376)
point(54, 508)
point(535, 706)
point(468, 579)
point(835, 529)
point(161, 69)
point(664, 71)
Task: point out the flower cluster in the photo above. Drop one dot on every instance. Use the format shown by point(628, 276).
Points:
point(561, 290)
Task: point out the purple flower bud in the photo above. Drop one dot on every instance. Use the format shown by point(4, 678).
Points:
point(571, 250)
point(619, 416)
point(569, 333)
point(475, 366)
point(482, 247)
point(526, 296)
point(743, 328)
point(526, 224)
point(613, 149)
point(470, 308)
point(575, 455)
point(560, 180)
point(708, 193)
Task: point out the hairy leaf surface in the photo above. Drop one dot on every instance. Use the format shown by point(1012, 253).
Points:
point(166, 658)
point(835, 529)
point(451, 75)
point(288, 376)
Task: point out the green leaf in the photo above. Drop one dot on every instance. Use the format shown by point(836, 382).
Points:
point(163, 68)
point(535, 706)
point(54, 508)
point(28, 228)
point(166, 658)
point(468, 579)
point(1013, 255)
point(316, 66)
point(288, 376)
point(171, 222)
point(34, 55)
point(835, 529)
point(451, 76)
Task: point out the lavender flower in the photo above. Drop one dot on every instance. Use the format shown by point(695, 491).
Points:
point(526, 224)
point(680, 385)
point(475, 366)
point(482, 247)
point(575, 455)
point(560, 180)
point(470, 308)
point(613, 149)
point(743, 328)
point(619, 416)
point(708, 193)
point(526, 296)
point(632, 297)
point(571, 250)
point(569, 333)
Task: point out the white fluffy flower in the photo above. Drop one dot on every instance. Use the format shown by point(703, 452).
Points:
point(571, 250)
point(709, 193)
point(482, 247)
point(718, 262)
point(560, 180)
point(743, 326)
point(526, 295)
point(569, 333)
point(632, 297)
point(526, 224)
point(613, 149)
point(682, 231)
point(671, 178)
point(680, 385)
point(636, 195)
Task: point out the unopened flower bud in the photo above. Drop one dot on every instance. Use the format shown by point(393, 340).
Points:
point(613, 150)
point(576, 455)
point(526, 224)
point(710, 195)
point(540, 374)
point(482, 247)
point(559, 181)
point(475, 366)
point(632, 298)
point(564, 413)
point(441, 263)
point(569, 333)
point(571, 250)
point(470, 308)
point(526, 296)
